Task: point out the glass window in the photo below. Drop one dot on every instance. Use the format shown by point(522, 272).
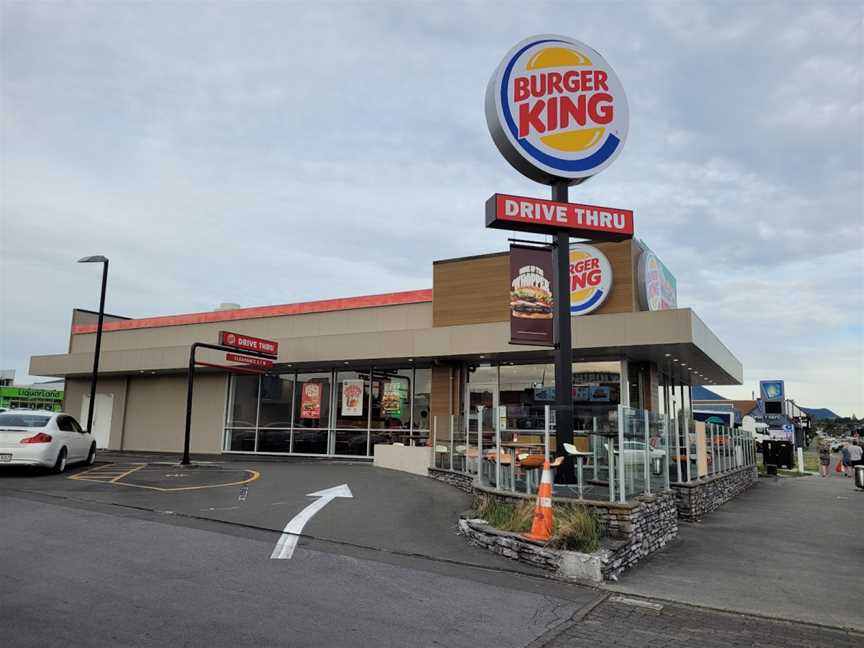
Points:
point(273, 440)
point(482, 385)
point(525, 390)
point(23, 420)
point(240, 440)
point(352, 400)
point(596, 395)
point(243, 404)
point(276, 397)
point(391, 399)
point(312, 402)
point(65, 424)
point(422, 390)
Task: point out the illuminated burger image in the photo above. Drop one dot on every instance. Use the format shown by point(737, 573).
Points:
point(530, 296)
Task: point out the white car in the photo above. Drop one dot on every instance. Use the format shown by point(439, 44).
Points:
point(47, 439)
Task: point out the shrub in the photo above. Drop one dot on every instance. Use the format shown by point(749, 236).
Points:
point(576, 529)
point(505, 515)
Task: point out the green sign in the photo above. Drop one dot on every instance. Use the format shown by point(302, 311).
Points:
point(29, 397)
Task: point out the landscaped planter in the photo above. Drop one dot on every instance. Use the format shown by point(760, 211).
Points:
point(632, 530)
point(562, 564)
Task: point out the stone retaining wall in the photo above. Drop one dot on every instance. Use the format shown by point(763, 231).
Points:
point(697, 498)
point(459, 480)
point(632, 529)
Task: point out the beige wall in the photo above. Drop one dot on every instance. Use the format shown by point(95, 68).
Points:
point(358, 320)
point(77, 388)
point(156, 413)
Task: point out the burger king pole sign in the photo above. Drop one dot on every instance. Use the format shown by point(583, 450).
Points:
point(556, 110)
point(558, 114)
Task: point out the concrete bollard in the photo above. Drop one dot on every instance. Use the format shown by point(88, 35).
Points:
point(801, 460)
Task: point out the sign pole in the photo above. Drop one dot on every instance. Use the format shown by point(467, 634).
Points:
point(564, 344)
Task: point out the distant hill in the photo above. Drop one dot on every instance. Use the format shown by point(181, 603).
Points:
point(700, 393)
point(820, 413)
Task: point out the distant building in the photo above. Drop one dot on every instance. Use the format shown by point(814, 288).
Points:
point(44, 396)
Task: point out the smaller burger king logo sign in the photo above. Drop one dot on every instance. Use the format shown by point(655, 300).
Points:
point(590, 279)
point(556, 110)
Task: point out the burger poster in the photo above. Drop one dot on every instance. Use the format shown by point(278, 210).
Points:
point(391, 402)
point(352, 398)
point(531, 304)
point(310, 401)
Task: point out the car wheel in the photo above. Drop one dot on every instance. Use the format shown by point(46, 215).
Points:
point(60, 464)
point(91, 457)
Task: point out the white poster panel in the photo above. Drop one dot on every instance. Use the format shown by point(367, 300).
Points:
point(352, 398)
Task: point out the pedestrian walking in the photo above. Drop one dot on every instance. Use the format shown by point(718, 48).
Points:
point(824, 457)
point(856, 452)
point(844, 453)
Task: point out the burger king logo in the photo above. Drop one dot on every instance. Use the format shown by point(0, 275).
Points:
point(590, 279)
point(556, 110)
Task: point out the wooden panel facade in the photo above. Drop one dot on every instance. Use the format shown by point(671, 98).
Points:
point(476, 290)
point(473, 290)
point(446, 394)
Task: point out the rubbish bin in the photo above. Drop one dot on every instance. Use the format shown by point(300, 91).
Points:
point(859, 477)
point(778, 452)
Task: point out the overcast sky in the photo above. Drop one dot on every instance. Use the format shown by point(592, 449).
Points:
point(273, 153)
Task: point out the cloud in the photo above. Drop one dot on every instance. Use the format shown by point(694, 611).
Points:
point(273, 153)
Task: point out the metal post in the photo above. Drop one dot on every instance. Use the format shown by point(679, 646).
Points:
point(434, 441)
point(611, 462)
point(647, 460)
point(674, 420)
point(713, 443)
point(665, 421)
point(686, 423)
point(546, 423)
point(451, 442)
point(594, 447)
point(497, 420)
point(98, 348)
point(480, 444)
point(622, 488)
point(564, 350)
point(190, 381)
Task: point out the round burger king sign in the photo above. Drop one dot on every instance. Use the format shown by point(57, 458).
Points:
point(556, 110)
point(590, 278)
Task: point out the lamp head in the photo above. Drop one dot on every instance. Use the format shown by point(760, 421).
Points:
point(94, 259)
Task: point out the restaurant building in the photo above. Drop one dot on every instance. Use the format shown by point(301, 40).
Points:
point(355, 372)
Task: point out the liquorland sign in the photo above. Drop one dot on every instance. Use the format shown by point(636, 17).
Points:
point(556, 110)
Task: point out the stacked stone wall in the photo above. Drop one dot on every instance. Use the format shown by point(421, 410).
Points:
point(698, 498)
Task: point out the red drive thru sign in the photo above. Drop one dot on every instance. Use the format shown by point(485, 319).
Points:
point(263, 363)
point(547, 216)
point(248, 343)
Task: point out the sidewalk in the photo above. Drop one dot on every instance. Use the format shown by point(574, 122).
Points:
point(789, 548)
point(642, 623)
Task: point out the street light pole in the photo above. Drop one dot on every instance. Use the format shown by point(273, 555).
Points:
point(104, 261)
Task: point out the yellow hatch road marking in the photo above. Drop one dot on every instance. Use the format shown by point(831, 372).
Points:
point(113, 474)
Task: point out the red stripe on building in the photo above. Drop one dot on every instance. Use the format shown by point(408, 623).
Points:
point(321, 306)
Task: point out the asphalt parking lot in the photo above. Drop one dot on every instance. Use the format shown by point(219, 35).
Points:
point(389, 511)
point(139, 552)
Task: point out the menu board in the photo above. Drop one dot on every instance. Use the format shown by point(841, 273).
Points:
point(352, 397)
point(310, 401)
point(391, 402)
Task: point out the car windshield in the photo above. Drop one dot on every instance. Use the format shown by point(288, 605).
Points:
point(13, 419)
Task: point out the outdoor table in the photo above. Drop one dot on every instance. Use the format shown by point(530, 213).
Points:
point(512, 447)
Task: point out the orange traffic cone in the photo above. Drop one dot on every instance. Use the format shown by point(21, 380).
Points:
point(541, 527)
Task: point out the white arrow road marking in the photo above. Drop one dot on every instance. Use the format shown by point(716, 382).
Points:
point(284, 549)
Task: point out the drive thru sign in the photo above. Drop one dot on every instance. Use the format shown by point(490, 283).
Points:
point(248, 343)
